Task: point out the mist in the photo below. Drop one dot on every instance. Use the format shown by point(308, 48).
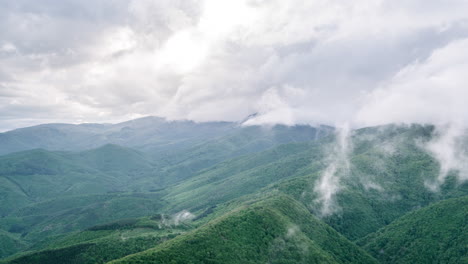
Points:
point(338, 166)
point(449, 148)
point(359, 64)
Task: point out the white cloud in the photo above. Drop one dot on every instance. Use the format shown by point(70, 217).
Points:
point(449, 150)
point(338, 167)
point(430, 91)
point(292, 61)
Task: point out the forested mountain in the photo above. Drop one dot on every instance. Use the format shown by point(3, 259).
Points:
point(156, 136)
point(435, 234)
point(225, 194)
point(145, 132)
point(274, 230)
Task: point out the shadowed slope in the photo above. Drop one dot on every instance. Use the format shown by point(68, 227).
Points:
point(434, 234)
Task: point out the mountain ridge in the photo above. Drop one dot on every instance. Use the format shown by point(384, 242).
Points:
point(72, 191)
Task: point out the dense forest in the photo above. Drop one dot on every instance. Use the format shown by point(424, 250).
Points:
point(222, 192)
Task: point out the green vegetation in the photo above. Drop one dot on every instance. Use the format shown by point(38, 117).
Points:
point(244, 175)
point(434, 234)
point(46, 193)
point(9, 244)
point(386, 180)
point(38, 221)
point(275, 230)
point(246, 195)
point(100, 244)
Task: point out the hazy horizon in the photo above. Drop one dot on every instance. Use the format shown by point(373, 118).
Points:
point(241, 122)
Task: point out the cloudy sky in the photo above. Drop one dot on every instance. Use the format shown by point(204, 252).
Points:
point(362, 62)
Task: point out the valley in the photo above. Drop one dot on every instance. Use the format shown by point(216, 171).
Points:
point(239, 194)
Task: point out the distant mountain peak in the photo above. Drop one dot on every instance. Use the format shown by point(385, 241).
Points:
point(249, 117)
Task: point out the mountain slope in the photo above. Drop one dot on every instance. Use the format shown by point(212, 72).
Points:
point(275, 230)
point(380, 186)
point(241, 140)
point(9, 244)
point(154, 135)
point(148, 132)
point(434, 234)
point(62, 215)
point(45, 193)
point(37, 175)
point(244, 175)
point(385, 179)
point(179, 148)
point(102, 243)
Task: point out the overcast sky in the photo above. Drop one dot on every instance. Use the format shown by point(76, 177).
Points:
point(364, 62)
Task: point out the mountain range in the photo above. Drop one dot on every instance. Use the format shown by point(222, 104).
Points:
point(157, 191)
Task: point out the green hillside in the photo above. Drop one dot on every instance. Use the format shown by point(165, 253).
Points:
point(38, 175)
point(244, 175)
point(434, 234)
point(48, 196)
point(103, 243)
point(158, 137)
point(10, 243)
point(180, 164)
point(116, 159)
point(41, 220)
point(275, 230)
point(380, 186)
point(46, 193)
point(148, 133)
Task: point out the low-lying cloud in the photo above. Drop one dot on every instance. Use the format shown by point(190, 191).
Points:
point(338, 167)
point(449, 148)
point(432, 91)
